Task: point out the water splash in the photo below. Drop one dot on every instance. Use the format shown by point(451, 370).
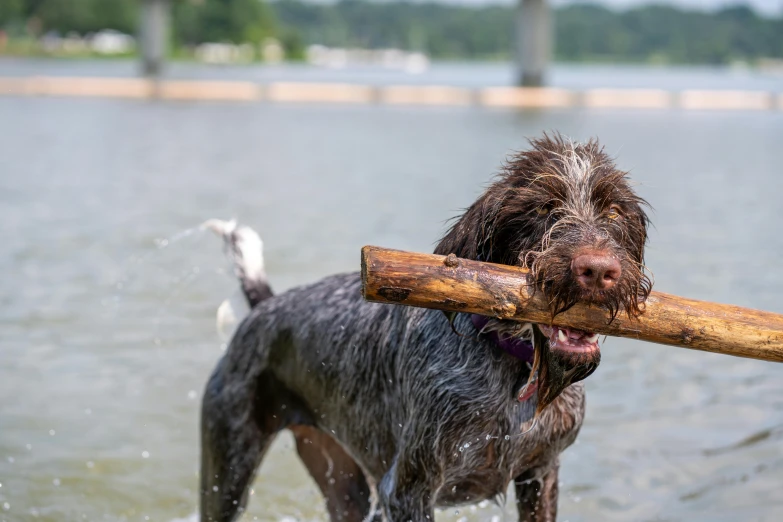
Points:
point(128, 277)
point(135, 267)
point(179, 236)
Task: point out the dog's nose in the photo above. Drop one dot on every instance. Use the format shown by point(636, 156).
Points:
point(596, 271)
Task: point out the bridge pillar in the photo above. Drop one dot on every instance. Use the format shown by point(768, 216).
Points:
point(533, 41)
point(153, 35)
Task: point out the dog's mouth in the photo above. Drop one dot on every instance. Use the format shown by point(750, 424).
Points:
point(571, 340)
point(562, 357)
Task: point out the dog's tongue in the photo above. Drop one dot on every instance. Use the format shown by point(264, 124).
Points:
point(528, 390)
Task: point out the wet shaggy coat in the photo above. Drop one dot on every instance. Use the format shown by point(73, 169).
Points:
point(395, 412)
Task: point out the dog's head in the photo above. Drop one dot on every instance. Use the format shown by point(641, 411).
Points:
point(565, 211)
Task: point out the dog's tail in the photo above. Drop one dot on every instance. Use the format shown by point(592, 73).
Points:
point(245, 249)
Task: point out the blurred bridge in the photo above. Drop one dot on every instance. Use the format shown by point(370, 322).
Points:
point(154, 35)
point(533, 39)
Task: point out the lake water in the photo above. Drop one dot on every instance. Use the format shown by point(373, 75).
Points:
point(108, 306)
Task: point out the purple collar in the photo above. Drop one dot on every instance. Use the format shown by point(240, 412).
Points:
point(519, 348)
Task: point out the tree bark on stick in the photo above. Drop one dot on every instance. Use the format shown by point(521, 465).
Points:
point(461, 285)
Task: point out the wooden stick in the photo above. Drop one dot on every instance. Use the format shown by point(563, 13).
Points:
point(461, 285)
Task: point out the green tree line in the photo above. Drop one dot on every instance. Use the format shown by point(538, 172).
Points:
point(193, 21)
point(82, 16)
point(583, 32)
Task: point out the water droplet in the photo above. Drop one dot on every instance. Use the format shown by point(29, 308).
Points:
point(507, 437)
point(52, 432)
point(145, 454)
point(88, 411)
point(56, 482)
point(331, 481)
point(214, 488)
point(11, 460)
point(467, 444)
point(90, 464)
point(488, 436)
point(192, 394)
point(28, 446)
point(6, 506)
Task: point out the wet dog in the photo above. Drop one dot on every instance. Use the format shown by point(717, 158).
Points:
point(398, 410)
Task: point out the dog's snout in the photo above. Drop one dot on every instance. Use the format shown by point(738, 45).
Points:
point(596, 271)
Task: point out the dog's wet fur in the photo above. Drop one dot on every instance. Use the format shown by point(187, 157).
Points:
point(395, 411)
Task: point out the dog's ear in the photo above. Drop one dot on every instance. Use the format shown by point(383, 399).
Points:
point(470, 237)
point(643, 223)
point(637, 225)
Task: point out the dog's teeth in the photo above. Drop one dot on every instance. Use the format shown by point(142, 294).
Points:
point(593, 338)
point(561, 336)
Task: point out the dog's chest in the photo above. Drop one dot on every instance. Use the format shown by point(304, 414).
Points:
point(483, 466)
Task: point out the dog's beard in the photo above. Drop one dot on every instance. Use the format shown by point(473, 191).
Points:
point(564, 356)
point(555, 369)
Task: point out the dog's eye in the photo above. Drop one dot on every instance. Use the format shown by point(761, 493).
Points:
point(543, 211)
point(614, 212)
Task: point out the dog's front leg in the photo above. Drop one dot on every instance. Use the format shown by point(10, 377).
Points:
point(403, 494)
point(337, 475)
point(537, 495)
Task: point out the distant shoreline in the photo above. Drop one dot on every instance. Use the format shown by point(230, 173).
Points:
point(762, 64)
point(180, 57)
